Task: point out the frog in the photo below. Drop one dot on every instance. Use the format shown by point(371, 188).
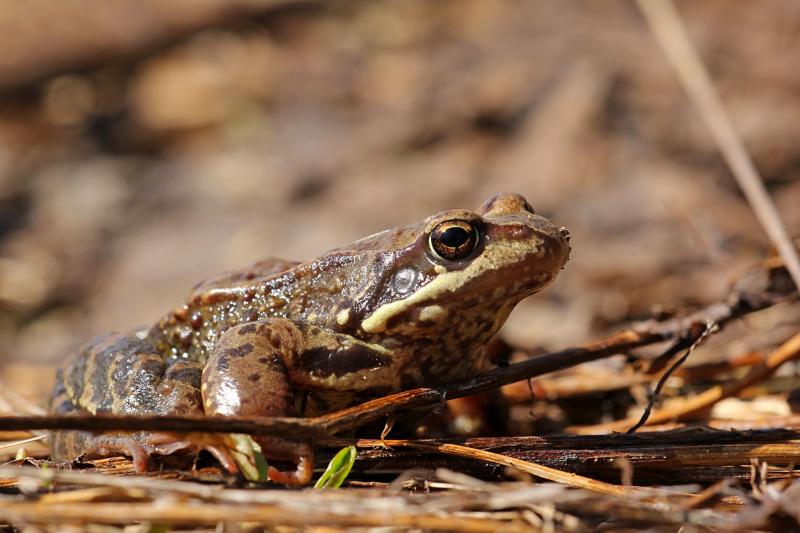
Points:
point(412, 306)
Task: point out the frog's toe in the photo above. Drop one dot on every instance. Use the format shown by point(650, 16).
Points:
point(301, 454)
point(221, 454)
point(165, 444)
point(300, 476)
point(111, 445)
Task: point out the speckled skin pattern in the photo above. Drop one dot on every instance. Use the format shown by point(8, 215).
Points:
point(384, 314)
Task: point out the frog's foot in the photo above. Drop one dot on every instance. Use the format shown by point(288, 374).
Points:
point(141, 447)
point(112, 445)
point(301, 454)
point(167, 444)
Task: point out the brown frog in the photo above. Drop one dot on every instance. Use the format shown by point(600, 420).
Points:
point(404, 308)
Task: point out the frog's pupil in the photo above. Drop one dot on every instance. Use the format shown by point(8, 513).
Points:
point(454, 237)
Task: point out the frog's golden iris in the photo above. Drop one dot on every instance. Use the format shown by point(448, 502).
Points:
point(454, 239)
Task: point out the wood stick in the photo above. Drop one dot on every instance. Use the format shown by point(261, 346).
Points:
point(669, 31)
point(668, 456)
point(211, 514)
point(545, 472)
point(788, 351)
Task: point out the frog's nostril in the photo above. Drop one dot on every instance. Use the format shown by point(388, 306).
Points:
point(564, 233)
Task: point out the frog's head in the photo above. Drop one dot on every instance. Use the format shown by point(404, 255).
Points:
point(459, 268)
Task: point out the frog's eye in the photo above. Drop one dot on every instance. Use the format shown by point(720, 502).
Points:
point(453, 240)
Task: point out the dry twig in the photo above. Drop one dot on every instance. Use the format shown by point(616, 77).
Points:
point(665, 457)
point(544, 472)
point(706, 331)
point(788, 351)
point(670, 32)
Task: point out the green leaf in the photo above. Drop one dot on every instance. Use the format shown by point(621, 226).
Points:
point(248, 456)
point(46, 483)
point(261, 464)
point(337, 470)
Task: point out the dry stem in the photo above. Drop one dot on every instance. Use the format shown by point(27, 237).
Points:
point(788, 351)
point(670, 32)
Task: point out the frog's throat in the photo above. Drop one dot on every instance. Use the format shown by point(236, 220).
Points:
point(500, 256)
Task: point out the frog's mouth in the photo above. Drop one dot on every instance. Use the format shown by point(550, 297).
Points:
point(506, 283)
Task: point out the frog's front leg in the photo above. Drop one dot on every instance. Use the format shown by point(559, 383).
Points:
point(255, 369)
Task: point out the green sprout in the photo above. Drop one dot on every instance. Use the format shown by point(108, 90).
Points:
point(248, 455)
point(337, 470)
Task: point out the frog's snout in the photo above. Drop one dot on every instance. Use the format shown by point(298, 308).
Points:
point(554, 241)
point(564, 237)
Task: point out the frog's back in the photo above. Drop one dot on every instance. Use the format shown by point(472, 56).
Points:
point(257, 272)
point(260, 290)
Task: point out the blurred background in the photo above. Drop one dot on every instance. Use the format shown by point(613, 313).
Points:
point(147, 145)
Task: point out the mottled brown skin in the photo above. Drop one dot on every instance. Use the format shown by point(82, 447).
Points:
point(384, 314)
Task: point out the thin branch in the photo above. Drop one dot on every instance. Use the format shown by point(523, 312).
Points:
point(788, 351)
point(669, 31)
point(707, 330)
point(211, 514)
point(545, 472)
point(350, 418)
point(21, 442)
point(697, 455)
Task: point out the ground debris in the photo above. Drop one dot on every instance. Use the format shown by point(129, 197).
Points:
point(146, 147)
